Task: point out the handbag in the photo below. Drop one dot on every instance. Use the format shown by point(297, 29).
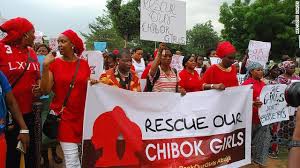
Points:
point(50, 127)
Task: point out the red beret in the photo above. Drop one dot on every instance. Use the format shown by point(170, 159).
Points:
point(224, 49)
point(75, 40)
point(15, 29)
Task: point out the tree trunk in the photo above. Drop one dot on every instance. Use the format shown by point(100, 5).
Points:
point(125, 40)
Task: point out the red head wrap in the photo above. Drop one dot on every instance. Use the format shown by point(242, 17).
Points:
point(15, 29)
point(75, 40)
point(224, 49)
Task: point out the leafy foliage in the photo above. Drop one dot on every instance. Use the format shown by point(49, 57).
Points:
point(262, 20)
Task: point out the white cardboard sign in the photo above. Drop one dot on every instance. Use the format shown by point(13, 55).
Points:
point(163, 20)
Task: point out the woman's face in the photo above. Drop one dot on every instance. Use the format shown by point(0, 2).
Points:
point(228, 60)
point(64, 45)
point(257, 73)
point(125, 62)
point(42, 51)
point(138, 55)
point(200, 61)
point(191, 63)
point(291, 70)
point(166, 58)
point(213, 53)
point(275, 72)
point(28, 38)
point(111, 62)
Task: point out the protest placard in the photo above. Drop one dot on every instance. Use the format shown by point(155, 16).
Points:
point(274, 104)
point(259, 51)
point(177, 62)
point(100, 46)
point(95, 60)
point(163, 20)
point(53, 45)
point(38, 37)
point(207, 129)
point(215, 60)
point(241, 78)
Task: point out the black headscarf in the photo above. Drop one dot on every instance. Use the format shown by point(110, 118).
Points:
point(185, 60)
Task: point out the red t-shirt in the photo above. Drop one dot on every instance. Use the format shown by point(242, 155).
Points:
point(13, 61)
point(257, 87)
point(190, 82)
point(70, 128)
point(215, 75)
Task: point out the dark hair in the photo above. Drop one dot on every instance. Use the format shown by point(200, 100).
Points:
point(42, 45)
point(285, 57)
point(209, 51)
point(113, 56)
point(186, 59)
point(124, 51)
point(292, 94)
point(135, 49)
point(198, 56)
point(297, 53)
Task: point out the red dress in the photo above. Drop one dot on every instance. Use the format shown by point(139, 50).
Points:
point(71, 124)
point(215, 75)
point(13, 61)
point(257, 87)
point(190, 82)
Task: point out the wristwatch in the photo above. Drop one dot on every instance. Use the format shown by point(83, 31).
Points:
point(293, 143)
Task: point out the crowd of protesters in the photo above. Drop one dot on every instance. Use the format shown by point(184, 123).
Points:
point(26, 78)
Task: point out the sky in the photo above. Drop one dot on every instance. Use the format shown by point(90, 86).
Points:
point(54, 16)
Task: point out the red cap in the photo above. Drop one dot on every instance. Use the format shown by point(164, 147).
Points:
point(15, 29)
point(224, 49)
point(76, 41)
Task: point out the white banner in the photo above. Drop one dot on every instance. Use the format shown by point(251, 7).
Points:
point(274, 104)
point(259, 51)
point(163, 21)
point(208, 128)
point(95, 60)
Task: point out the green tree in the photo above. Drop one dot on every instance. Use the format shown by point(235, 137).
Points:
point(102, 30)
point(200, 38)
point(263, 20)
point(125, 18)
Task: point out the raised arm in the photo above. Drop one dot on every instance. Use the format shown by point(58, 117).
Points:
point(47, 76)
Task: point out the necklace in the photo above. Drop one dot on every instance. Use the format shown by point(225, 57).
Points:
point(224, 69)
point(126, 76)
point(169, 75)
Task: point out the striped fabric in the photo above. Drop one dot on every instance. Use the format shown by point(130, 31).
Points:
point(165, 83)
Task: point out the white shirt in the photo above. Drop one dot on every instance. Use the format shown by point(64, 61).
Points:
point(139, 67)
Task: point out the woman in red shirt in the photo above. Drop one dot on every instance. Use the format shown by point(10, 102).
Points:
point(57, 76)
point(189, 77)
point(222, 75)
point(261, 135)
point(20, 65)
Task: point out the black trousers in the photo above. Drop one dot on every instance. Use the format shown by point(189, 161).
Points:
point(13, 156)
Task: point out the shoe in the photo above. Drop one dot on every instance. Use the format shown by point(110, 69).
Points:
point(273, 155)
point(57, 159)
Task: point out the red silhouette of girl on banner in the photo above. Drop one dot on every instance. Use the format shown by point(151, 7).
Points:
point(108, 127)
